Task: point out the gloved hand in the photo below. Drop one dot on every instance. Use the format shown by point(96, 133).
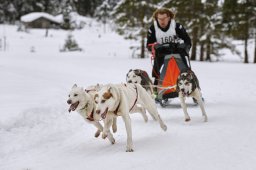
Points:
point(181, 46)
point(157, 46)
point(184, 47)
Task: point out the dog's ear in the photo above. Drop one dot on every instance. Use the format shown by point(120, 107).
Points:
point(74, 86)
point(109, 88)
point(137, 72)
point(110, 91)
point(127, 76)
point(190, 76)
point(97, 87)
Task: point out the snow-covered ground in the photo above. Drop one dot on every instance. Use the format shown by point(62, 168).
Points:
point(38, 133)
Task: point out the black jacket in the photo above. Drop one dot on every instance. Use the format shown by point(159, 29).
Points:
point(180, 31)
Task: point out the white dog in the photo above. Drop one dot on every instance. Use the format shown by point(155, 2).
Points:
point(118, 100)
point(141, 77)
point(83, 102)
point(188, 86)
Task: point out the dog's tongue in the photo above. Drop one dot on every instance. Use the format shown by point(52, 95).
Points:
point(72, 106)
point(103, 116)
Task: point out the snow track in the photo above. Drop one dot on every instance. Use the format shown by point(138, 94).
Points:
point(38, 133)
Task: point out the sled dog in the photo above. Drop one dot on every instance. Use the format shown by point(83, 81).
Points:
point(82, 101)
point(118, 100)
point(141, 77)
point(188, 86)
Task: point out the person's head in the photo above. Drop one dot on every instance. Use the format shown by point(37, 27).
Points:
point(163, 16)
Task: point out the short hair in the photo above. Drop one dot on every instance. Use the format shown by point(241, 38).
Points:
point(166, 11)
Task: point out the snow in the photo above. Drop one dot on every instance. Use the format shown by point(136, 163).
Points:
point(38, 133)
point(35, 15)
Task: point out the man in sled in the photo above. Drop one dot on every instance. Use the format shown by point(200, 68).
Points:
point(165, 30)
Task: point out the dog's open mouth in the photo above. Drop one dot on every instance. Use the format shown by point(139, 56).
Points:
point(104, 114)
point(185, 94)
point(73, 106)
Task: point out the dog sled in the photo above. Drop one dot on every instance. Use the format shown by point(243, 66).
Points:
point(169, 72)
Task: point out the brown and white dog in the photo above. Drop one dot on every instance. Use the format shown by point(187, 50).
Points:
point(82, 101)
point(118, 100)
point(188, 86)
point(141, 77)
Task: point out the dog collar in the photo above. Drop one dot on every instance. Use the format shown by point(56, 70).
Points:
point(85, 106)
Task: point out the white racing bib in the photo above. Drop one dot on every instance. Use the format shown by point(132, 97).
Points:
point(165, 37)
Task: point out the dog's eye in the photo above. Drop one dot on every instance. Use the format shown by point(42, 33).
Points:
point(103, 101)
point(187, 83)
point(69, 95)
point(96, 101)
point(134, 76)
point(75, 95)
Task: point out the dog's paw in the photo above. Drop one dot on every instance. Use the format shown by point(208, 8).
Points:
point(164, 127)
point(113, 141)
point(187, 119)
point(205, 119)
point(104, 135)
point(129, 150)
point(97, 134)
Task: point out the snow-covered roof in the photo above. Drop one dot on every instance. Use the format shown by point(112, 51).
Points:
point(35, 15)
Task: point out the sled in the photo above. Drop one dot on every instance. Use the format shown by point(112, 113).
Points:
point(169, 73)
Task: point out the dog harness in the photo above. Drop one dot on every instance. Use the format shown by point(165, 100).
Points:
point(90, 116)
point(115, 112)
point(135, 99)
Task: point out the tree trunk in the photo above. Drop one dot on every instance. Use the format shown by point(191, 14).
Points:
point(208, 49)
point(142, 46)
point(202, 52)
point(254, 48)
point(194, 43)
point(245, 50)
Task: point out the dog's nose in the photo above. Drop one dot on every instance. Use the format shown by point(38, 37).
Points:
point(98, 111)
point(129, 81)
point(69, 101)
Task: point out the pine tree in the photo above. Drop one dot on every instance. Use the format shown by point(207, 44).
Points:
point(188, 14)
point(239, 19)
point(211, 29)
point(87, 7)
point(132, 18)
point(70, 44)
point(103, 11)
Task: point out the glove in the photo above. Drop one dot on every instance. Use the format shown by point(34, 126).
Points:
point(157, 46)
point(184, 47)
point(181, 46)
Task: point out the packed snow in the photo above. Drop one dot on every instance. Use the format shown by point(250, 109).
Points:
point(38, 133)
